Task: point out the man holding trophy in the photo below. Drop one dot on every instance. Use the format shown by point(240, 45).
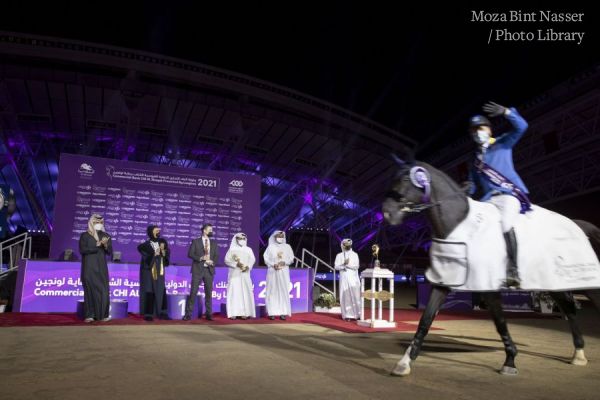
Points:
point(349, 285)
point(240, 295)
point(204, 253)
point(278, 257)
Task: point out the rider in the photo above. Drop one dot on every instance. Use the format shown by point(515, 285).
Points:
point(493, 171)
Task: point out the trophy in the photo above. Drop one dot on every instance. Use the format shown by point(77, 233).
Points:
point(280, 262)
point(375, 249)
point(158, 269)
point(241, 266)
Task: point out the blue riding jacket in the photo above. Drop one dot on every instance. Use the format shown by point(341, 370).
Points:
point(499, 156)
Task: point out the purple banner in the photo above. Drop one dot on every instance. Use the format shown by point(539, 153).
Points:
point(132, 195)
point(517, 301)
point(53, 286)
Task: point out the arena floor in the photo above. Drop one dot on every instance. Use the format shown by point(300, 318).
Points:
point(293, 361)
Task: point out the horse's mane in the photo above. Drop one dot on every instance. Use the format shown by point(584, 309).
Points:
point(440, 175)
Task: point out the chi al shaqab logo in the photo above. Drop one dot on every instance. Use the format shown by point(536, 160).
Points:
point(236, 186)
point(86, 170)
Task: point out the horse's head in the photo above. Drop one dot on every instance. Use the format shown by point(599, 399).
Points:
point(409, 192)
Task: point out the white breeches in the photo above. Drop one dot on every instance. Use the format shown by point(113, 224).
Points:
point(509, 207)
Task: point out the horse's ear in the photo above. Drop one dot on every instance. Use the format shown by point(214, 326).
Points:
point(398, 160)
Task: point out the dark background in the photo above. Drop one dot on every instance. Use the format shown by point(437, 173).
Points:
point(421, 69)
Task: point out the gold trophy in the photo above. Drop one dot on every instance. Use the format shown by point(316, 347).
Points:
point(375, 249)
point(241, 266)
point(278, 266)
point(370, 294)
point(155, 271)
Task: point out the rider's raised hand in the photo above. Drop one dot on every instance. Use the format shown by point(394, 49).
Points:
point(493, 109)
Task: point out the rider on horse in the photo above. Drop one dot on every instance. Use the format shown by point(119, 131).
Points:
point(493, 171)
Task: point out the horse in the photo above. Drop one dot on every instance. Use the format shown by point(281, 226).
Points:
point(419, 187)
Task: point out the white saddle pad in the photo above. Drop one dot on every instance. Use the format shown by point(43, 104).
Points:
point(553, 253)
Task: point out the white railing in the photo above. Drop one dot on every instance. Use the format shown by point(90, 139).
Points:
point(310, 260)
point(15, 245)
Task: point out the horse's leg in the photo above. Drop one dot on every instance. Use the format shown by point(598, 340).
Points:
point(567, 306)
point(494, 301)
point(436, 299)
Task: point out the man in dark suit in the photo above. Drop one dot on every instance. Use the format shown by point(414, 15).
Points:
point(204, 253)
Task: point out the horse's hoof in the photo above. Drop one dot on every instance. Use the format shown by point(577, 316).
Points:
point(401, 370)
point(506, 370)
point(579, 358)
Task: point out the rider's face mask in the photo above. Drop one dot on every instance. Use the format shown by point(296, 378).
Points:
point(482, 136)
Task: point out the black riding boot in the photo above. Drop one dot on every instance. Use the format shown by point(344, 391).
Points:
point(512, 273)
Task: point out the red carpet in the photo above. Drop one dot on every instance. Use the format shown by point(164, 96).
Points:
point(406, 320)
point(331, 321)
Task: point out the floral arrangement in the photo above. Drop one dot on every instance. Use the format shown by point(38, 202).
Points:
point(327, 300)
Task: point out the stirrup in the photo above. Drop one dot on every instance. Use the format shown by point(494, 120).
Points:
point(512, 283)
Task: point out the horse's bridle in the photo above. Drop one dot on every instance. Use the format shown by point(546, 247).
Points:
point(419, 177)
point(409, 206)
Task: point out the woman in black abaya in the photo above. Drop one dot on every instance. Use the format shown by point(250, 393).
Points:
point(155, 258)
point(94, 246)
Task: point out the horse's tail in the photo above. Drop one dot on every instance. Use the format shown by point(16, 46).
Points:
point(591, 231)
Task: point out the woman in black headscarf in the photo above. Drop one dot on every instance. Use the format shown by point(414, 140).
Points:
point(94, 246)
point(155, 258)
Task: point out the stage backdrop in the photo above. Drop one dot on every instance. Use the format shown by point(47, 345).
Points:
point(132, 195)
point(54, 286)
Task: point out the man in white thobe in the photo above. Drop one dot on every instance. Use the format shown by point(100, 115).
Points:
point(278, 257)
point(240, 295)
point(349, 284)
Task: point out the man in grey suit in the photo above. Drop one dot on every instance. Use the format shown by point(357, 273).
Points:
point(204, 253)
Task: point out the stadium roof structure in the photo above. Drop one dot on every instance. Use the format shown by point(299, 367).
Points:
point(322, 166)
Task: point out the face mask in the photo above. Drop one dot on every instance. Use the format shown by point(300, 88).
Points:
point(157, 235)
point(347, 247)
point(242, 242)
point(210, 234)
point(482, 137)
point(279, 240)
point(99, 227)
